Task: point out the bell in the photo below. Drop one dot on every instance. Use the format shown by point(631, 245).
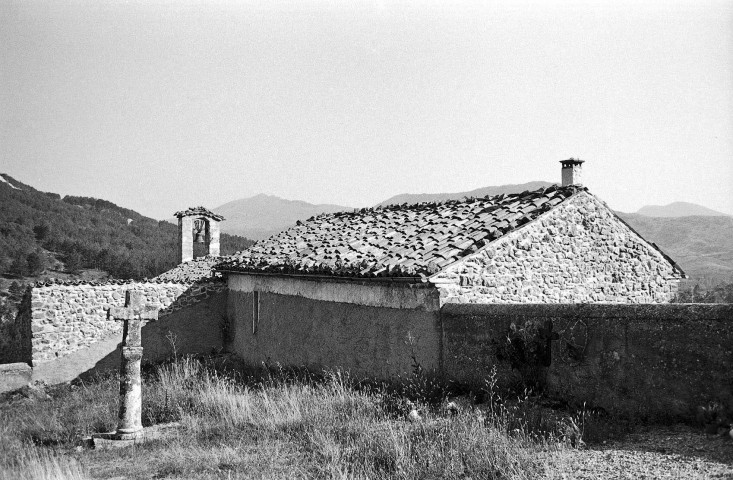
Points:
point(198, 228)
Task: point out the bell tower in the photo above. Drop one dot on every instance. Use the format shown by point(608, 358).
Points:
point(197, 225)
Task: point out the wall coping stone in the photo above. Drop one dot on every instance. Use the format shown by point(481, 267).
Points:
point(669, 311)
point(15, 367)
point(72, 283)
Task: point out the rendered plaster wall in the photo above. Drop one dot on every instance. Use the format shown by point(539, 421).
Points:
point(72, 333)
point(579, 252)
point(656, 361)
point(366, 340)
point(369, 293)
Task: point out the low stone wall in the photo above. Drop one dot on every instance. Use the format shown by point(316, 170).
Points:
point(193, 323)
point(64, 330)
point(656, 361)
point(67, 318)
point(14, 376)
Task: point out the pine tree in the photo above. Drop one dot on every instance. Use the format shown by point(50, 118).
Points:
point(36, 263)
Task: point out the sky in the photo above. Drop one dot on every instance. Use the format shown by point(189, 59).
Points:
point(158, 106)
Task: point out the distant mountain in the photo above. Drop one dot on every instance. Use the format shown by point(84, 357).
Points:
point(479, 192)
point(263, 215)
point(40, 231)
point(701, 245)
point(678, 209)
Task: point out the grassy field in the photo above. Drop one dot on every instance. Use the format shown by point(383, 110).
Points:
point(279, 424)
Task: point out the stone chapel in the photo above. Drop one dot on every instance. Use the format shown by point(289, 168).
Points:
point(362, 290)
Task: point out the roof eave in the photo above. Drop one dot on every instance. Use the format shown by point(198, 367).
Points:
point(417, 279)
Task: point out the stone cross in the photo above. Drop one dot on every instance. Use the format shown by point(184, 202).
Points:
point(134, 314)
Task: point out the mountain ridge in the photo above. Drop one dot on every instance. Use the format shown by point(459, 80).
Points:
point(252, 217)
point(679, 209)
point(411, 198)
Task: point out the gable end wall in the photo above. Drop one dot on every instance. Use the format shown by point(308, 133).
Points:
point(579, 252)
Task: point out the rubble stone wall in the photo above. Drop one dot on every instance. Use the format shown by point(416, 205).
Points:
point(651, 361)
point(579, 252)
point(67, 318)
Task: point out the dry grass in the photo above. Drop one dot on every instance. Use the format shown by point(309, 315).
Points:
point(280, 425)
point(42, 464)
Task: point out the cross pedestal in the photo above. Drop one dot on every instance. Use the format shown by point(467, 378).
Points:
point(134, 314)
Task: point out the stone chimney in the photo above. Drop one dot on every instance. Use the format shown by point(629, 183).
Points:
point(200, 225)
point(572, 171)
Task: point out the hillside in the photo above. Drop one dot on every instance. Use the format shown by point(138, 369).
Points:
point(39, 231)
point(701, 245)
point(678, 209)
point(260, 216)
point(479, 192)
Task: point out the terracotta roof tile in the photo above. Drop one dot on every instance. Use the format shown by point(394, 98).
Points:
point(199, 211)
point(192, 271)
point(396, 240)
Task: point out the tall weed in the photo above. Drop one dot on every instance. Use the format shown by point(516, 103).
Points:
point(325, 426)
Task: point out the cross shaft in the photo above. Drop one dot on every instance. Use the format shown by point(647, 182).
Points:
point(133, 314)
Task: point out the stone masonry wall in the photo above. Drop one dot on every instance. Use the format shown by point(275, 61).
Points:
point(66, 318)
point(579, 252)
point(649, 361)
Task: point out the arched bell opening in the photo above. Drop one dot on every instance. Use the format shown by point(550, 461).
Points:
point(201, 237)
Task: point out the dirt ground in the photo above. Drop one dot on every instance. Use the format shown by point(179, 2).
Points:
point(676, 452)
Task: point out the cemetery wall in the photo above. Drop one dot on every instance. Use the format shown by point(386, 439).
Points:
point(654, 361)
point(69, 331)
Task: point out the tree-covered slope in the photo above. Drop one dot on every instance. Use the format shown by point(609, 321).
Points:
point(36, 228)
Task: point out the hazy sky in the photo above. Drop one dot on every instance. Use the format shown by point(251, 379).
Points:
point(158, 106)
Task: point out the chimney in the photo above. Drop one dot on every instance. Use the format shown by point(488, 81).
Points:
point(572, 171)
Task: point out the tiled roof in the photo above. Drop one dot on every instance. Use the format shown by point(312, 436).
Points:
point(200, 211)
point(58, 281)
point(397, 240)
point(192, 271)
